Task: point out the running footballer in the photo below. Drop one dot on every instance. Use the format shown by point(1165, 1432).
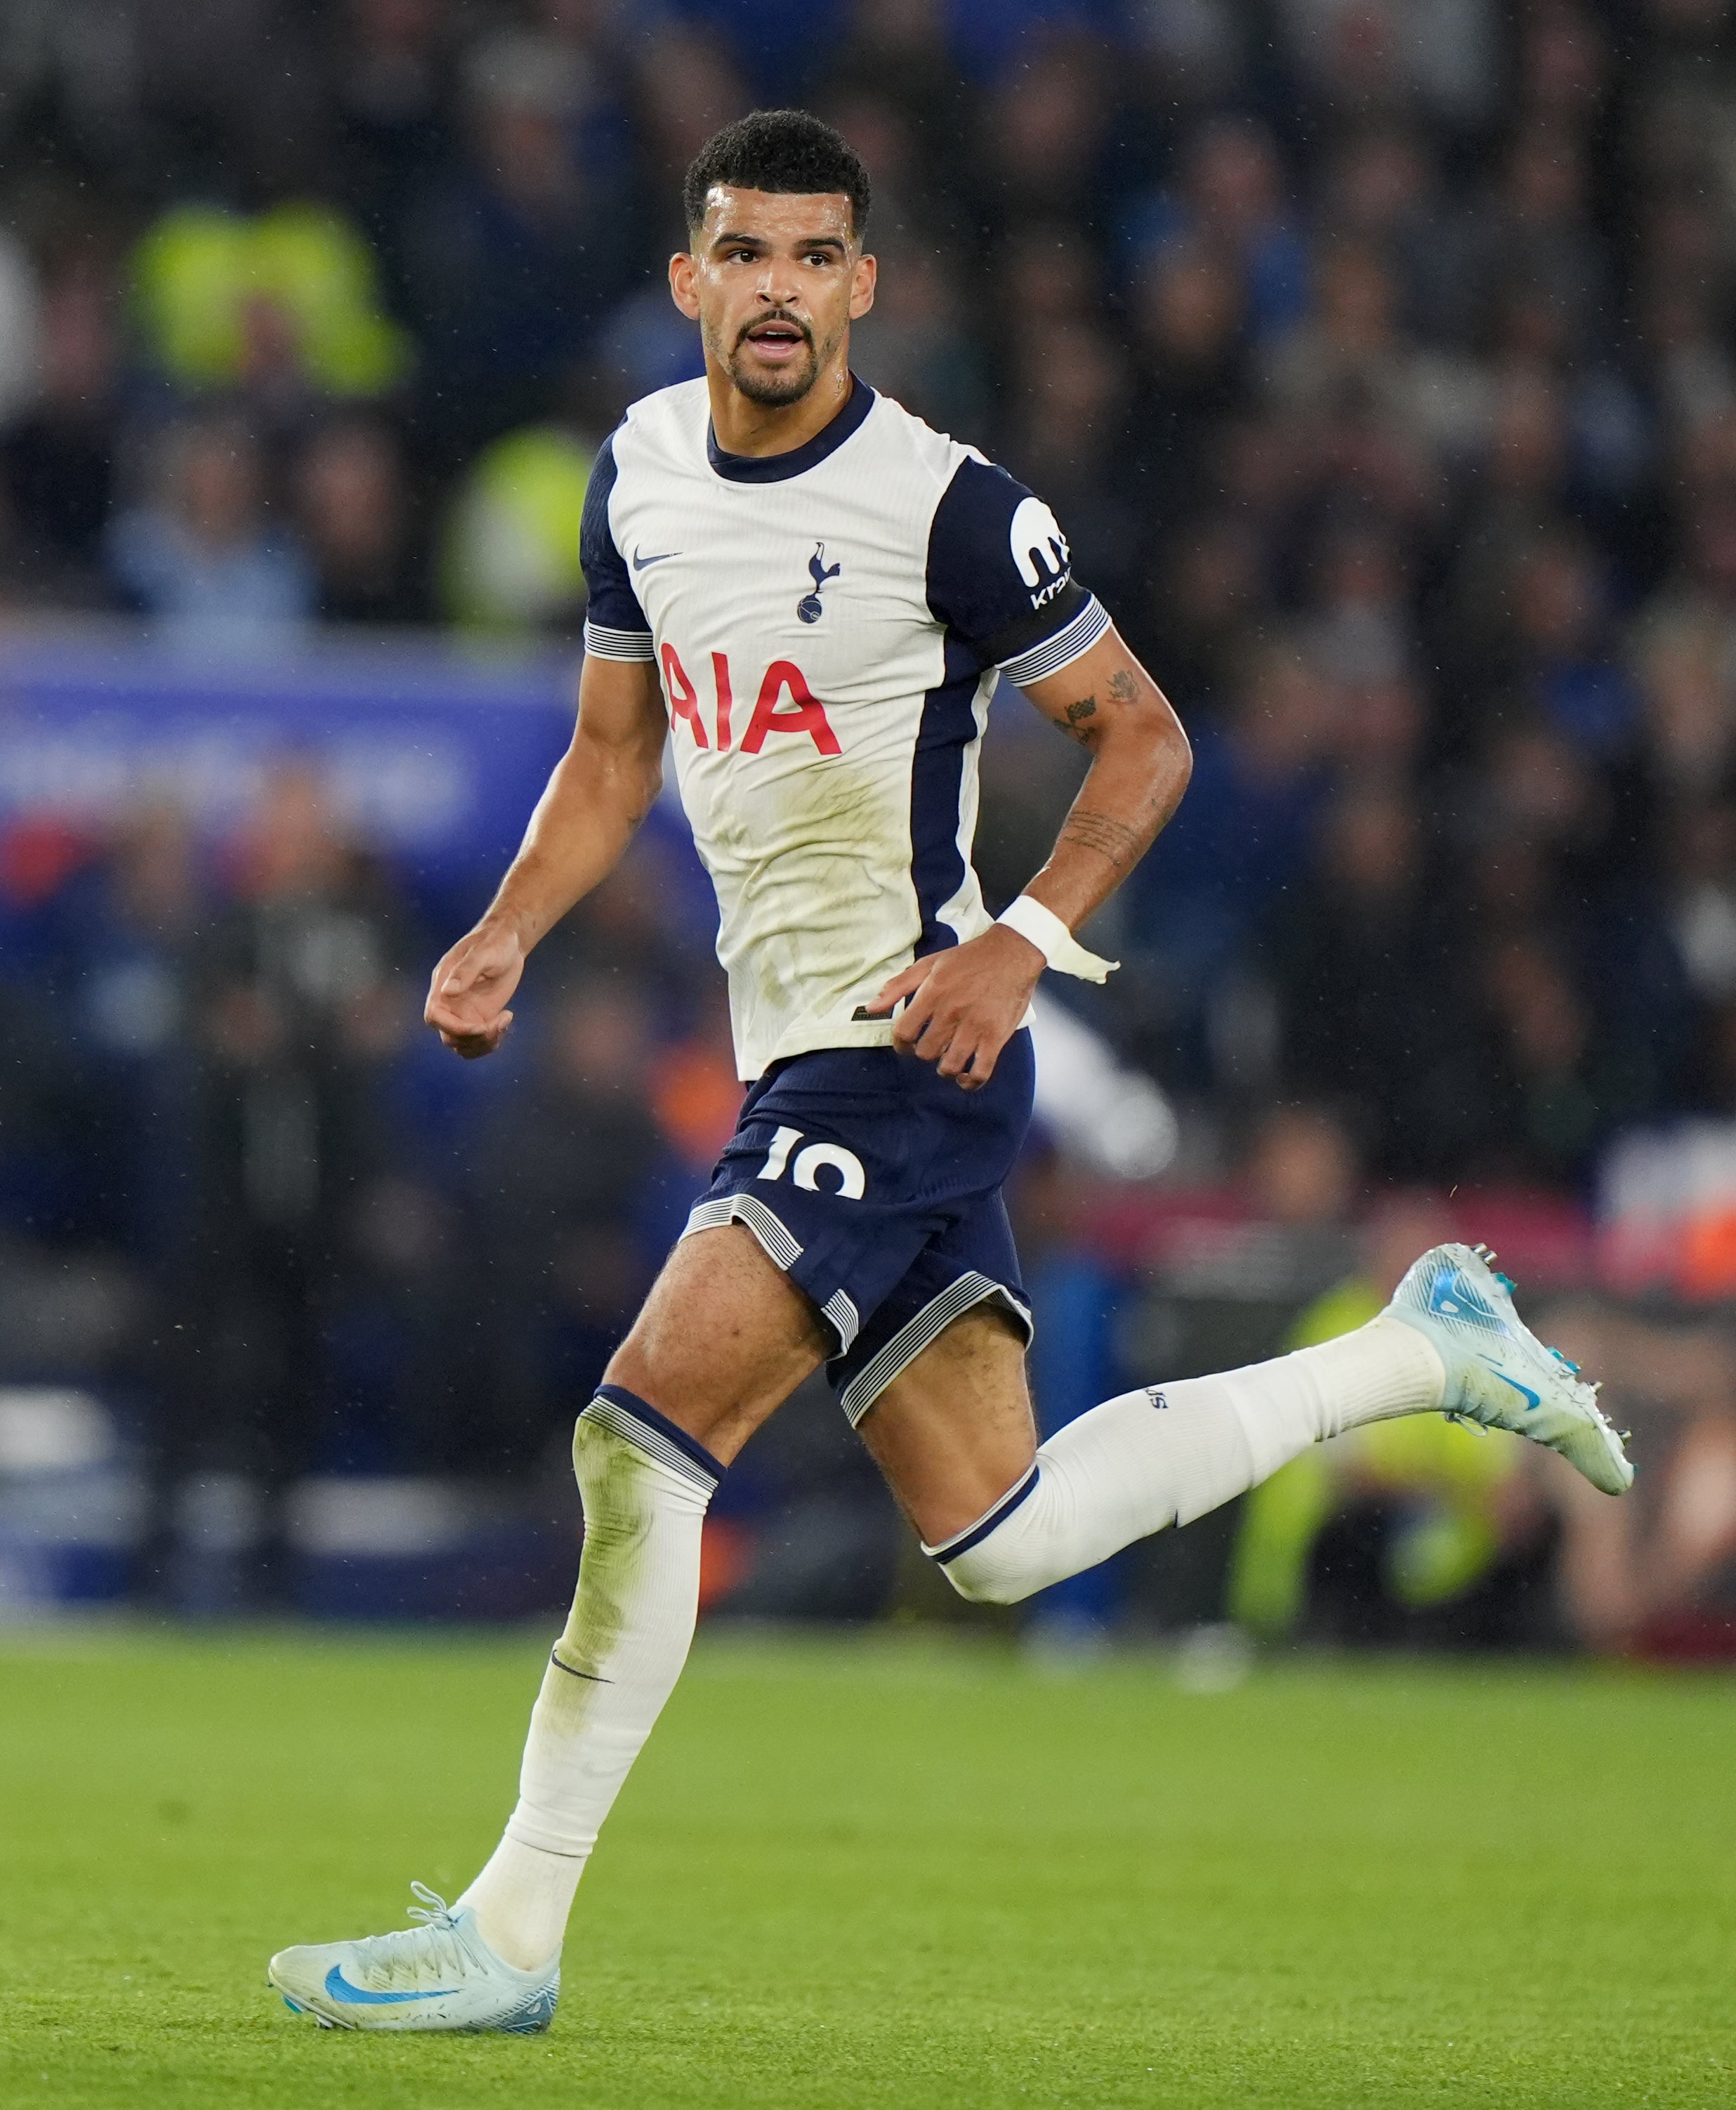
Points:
point(806, 599)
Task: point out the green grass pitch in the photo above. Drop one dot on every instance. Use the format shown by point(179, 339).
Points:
point(900, 1872)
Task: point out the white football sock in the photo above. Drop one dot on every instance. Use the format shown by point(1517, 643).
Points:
point(1168, 1453)
point(645, 1485)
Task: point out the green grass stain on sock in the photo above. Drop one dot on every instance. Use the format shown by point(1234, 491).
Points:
point(617, 1482)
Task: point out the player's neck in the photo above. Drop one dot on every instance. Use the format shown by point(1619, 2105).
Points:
point(744, 426)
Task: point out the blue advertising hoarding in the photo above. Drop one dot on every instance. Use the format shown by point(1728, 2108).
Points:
point(435, 754)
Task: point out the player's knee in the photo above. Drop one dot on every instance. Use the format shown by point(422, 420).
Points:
point(612, 1483)
point(990, 1582)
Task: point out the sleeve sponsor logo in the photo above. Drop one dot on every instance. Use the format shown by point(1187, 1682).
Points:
point(1040, 550)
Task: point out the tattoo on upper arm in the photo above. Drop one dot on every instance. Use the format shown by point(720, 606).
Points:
point(1123, 689)
point(1122, 846)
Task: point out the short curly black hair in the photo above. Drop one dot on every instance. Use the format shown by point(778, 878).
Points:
point(787, 151)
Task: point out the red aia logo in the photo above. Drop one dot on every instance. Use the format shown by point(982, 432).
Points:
point(804, 713)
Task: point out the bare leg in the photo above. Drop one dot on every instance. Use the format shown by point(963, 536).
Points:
point(722, 1342)
point(954, 1431)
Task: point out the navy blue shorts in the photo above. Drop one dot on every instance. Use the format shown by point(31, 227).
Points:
point(874, 1183)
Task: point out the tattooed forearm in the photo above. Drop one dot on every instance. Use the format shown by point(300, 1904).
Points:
point(1122, 846)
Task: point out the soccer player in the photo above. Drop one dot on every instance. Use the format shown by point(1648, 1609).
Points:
point(807, 597)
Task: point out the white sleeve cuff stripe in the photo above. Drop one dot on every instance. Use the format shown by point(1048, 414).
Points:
point(617, 644)
point(1061, 650)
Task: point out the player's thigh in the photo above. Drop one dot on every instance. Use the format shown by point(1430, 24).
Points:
point(722, 1340)
point(954, 1430)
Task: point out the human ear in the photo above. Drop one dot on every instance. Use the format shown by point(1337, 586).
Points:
point(862, 284)
point(682, 288)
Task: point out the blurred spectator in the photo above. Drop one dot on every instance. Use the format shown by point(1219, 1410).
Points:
point(511, 560)
point(354, 513)
point(1359, 635)
point(299, 999)
point(1562, 631)
point(1553, 1083)
point(904, 42)
point(1547, 280)
point(1189, 318)
point(1074, 1300)
point(283, 306)
point(57, 458)
point(1231, 198)
point(1070, 385)
point(1363, 970)
point(1241, 835)
point(130, 926)
point(695, 1092)
point(199, 554)
point(19, 327)
point(1303, 1171)
point(1396, 1530)
point(1655, 1576)
point(1041, 135)
point(915, 346)
point(390, 89)
point(1209, 582)
point(687, 88)
point(561, 1175)
point(515, 248)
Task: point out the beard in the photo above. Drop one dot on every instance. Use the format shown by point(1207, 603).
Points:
point(778, 386)
point(782, 385)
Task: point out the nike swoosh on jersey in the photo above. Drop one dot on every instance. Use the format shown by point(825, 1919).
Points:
point(662, 556)
point(340, 1989)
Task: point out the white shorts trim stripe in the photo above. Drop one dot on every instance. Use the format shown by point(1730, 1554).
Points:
point(840, 1308)
point(1061, 650)
point(605, 644)
point(915, 1335)
point(782, 1248)
point(620, 1421)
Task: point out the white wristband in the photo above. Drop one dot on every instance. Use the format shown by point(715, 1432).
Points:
point(1054, 941)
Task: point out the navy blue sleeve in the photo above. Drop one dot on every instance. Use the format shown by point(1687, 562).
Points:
point(1001, 577)
point(615, 625)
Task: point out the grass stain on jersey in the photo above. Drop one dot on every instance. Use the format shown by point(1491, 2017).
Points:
point(817, 848)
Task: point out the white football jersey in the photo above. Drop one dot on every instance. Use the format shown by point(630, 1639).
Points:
point(828, 625)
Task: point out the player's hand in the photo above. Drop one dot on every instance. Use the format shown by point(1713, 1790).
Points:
point(470, 988)
point(965, 1004)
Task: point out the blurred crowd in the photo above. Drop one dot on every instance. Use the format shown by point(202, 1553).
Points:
point(244, 1191)
point(1377, 357)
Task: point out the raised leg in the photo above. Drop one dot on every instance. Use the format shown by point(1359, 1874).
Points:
point(955, 1435)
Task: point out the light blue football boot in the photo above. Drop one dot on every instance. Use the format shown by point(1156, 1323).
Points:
point(440, 1974)
point(1498, 1373)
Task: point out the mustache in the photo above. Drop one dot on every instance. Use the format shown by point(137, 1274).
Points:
point(775, 315)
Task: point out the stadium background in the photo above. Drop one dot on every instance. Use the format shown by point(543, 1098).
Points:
point(1376, 355)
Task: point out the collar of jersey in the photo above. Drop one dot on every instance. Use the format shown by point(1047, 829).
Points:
point(773, 468)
